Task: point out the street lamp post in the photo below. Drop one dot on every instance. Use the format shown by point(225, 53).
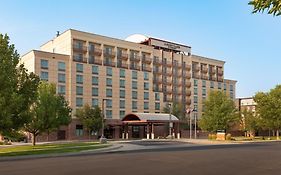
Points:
point(170, 119)
point(103, 139)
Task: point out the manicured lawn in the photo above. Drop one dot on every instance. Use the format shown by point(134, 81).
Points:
point(50, 148)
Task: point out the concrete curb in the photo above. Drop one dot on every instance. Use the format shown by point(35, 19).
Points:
point(86, 152)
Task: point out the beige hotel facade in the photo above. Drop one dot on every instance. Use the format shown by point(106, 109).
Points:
point(138, 75)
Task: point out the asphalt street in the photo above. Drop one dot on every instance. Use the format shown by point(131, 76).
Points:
point(248, 159)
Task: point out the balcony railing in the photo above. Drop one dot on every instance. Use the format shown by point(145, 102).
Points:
point(95, 61)
point(204, 70)
point(155, 71)
point(188, 93)
point(80, 59)
point(109, 63)
point(109, 54)
point(188, 101)
point(146, 59)
point(134, 58)
point(212, 71)
point(77, 48)
point(187, 67)
point(167, 82)
point(169, 99)
point(195, 68)
point(220, 79)
point(188, 84)
point(220, 72)
point(196, 76)
point(168, 73)
point(148, 69)
point(204, 77)
point(188, 76)
point(157, 61)
point(95, 51)
point(134, 67)
point(177, 65)
point(157, 80)
point(168, 91)
point(167, 63)
point(213, 78)
point(123, 56)
point(122, 65)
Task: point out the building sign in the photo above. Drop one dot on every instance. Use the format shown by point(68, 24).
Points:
point(170, 45)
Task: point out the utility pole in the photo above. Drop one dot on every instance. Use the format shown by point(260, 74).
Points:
point(170, 118)
point(103, 139)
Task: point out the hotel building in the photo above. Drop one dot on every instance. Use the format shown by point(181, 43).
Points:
point(137, 75)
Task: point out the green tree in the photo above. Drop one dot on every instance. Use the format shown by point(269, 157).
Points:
point(91, 118)
point(48, 112)
point(251, 122)
point(177, 110)
point(17, 90)
point(271, 6)
point(219, 114)
point(269, 108)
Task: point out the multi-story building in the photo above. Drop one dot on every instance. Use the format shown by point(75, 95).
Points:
point(140, 74)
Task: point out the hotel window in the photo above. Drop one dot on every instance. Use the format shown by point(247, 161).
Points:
point(79, 67)
point(61, 89)
point(204, 92)
point(134, 105)
point(203, 83)
point(195, 91)
point(79, 90)
point(79, 79)
point(231, 87)
point(108, 50)
point(108, 103)
point(95, 70)
point(109, 71)
point(95, 102)
point(224, 86)
point(44, 76)
point(146, 95)
point(122, 83)
point(157, 96)
point(122, 104)
point(134, 75)
point(195, 107)
point(79, 102)
point(95, 80)
point(79, 130)
point(122, 73)
point(195, 82)
point(122, 93)
point(195, 99)
point(61, 66)
point(134, 94)
point(122, 114)
point(146, 105)
point(219, 85)
point(134, 84)
point(95, 91)
point(231, 95)
point(212, 84)
point(44, 64)
point(157, 106)
point(109, 82)
point(146, 76)
point(146, 86)
point(108, 114)
point(61, 78)
point(108, 92)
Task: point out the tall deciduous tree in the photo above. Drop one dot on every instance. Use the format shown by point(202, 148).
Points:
point(91, 118)
point(177, 110)
point(271, 6)
point(17, 88)
point(48, 112)
point(219, 114)
point(269, 108)
point(251, 122)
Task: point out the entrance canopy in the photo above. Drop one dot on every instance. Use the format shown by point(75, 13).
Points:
point(149, 118)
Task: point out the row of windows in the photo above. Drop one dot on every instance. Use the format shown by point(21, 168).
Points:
point(45, 65)
point(212, 85)
point(95, 102)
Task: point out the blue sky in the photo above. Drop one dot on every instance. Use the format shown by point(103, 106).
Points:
point(218, 29)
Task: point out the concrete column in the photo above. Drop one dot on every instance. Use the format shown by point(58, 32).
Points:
point(178, 135)
point(123, 135)
point(152, 131)
point(147, 131)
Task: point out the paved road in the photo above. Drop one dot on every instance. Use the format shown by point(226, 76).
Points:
point(248, 159)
